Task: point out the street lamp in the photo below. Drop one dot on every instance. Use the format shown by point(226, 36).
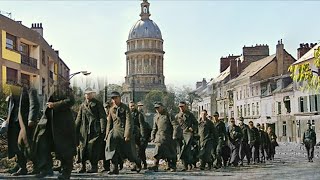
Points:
point(86, 73)
point(133, 87)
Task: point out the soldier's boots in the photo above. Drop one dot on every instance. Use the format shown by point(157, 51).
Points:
point(121, 166)
point(115, 170)
point(14, 169)
point(34, 171)
point(185, 166)
point(202, 165)
point(94, 169)
point(83, 168)
point(137, 167)
point(145, 165)
point(45, 173)
point(209, 166)
point(172, 165)
point(21, 171)
point(241, 163)
point(155, 167)
point(65, 174)
point(106, 166)
point(57, 168)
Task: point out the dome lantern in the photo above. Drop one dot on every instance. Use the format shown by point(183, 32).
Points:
point(145, 13)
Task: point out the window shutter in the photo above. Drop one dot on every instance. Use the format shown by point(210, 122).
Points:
point(305, 103)
point(312, 103)
point(299, 104)
point(318, 102)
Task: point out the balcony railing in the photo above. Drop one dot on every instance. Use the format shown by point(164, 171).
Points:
point(29, 61)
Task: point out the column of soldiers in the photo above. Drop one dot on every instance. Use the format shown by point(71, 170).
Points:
point(118, 132)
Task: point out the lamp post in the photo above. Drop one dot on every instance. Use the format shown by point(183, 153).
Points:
point(86, 73)
point(133, 87)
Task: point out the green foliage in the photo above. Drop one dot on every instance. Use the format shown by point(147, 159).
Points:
point(167, 98)
point(78, 96)
point(3, 105)
point(186, 94)
point(170, 99)
point(304, 73)
point(104, 94)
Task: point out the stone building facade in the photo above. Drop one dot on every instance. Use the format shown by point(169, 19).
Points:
point(144, 58)
point(261, 90)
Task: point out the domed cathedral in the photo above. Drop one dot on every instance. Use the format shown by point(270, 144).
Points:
point(144, 58)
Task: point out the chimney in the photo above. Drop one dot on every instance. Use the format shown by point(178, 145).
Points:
point(254, 53)
point(57, 52)
point(225, 61)
point(204, 82)
point(233, 68)
point(37, 27)
point(201, 83)
point(239, 68)
point(224, 64)
point(280, 58)
point(198, 84)
point(304, 48)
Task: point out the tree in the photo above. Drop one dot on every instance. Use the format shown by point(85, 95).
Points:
point(104, 94)
point(304, 73)
point(167, 98)
point(186, 94)
point(78, 96)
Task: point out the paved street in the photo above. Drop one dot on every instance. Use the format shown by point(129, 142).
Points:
point(290, 163)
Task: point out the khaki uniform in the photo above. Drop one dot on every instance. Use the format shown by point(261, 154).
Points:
point(165, 130)
point(90, 128)
point(119, 127)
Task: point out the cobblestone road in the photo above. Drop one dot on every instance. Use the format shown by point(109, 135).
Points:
point(290, 163)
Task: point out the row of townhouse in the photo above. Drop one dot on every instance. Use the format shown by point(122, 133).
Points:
point(27, 58)
point(258, 87)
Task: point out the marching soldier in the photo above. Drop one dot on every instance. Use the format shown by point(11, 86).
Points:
point(138, 132)
point(119, 135)
point(309, 140)
point(234, 136)
point(221, 131)
point(55, 132)
point(145, 140)
point(106, 163)
point(264, 141)
point(188, 123)
point(273, 143)
point(22, 116)
point(254, 142)
point(164, 133)
point(90, 127)
point(244, 146)
point(208, 137)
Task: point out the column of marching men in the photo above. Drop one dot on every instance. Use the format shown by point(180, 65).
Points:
point(118, 132)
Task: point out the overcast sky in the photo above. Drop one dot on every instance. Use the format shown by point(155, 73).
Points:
point(92, 35)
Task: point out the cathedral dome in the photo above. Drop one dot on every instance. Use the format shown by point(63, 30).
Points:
point(145, 28)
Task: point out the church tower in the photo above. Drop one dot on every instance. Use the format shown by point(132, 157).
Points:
point(144, 58)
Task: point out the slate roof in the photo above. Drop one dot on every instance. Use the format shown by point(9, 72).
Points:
point(254, 67)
